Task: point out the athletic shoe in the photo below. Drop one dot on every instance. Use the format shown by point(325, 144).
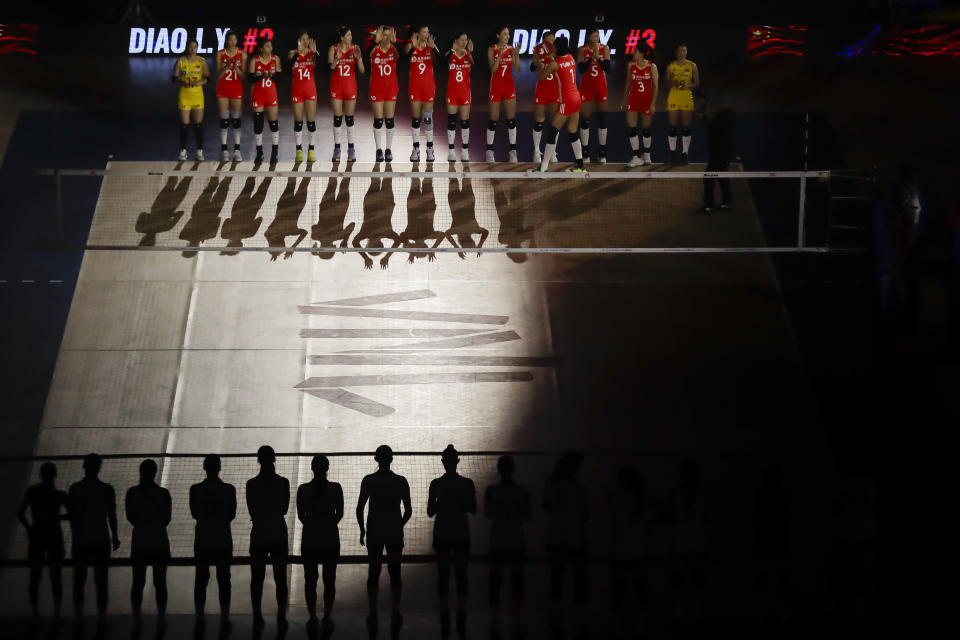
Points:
point(602, 155)
point(336, 154)
point(237, 156)
point(379, 155)
point(274, 154)
point(554, 158)
point(388, 155)
point(259, 157)
point(311, 156)
point(576, 170)
point(415, 155)
point(451, 156)
point(636, 161)
point(537, 157)
point(183, 155)
point(431, 156)
point(490, 156)
point(513, 156)
point(351, 154)
point(225, 156)
point(646, 158)
point(199, 155)
point(683, 159)
point(299, 157)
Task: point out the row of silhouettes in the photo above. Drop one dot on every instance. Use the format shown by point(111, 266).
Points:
point(383, 508)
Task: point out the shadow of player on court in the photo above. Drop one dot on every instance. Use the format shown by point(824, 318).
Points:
point(244, 220)
point(332, 213)
point(164, 213)
point(377, 224)
point(511, 206)
point(286, 223)
point(204, 221)
point(421, 210)
point(463, 211)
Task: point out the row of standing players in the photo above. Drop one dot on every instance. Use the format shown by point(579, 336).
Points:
point(384, 498)
point(558, 101)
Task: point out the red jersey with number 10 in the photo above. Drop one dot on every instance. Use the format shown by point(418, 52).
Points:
point(383, 74)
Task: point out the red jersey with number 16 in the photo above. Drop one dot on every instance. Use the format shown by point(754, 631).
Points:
point(264, 92)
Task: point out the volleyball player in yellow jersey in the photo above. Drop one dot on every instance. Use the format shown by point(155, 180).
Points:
point(683, 77)
point(191, 73)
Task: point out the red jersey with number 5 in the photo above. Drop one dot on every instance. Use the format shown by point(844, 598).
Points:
point(383, 74)
point(593, 86)
point(231, 84)
point(304, 85)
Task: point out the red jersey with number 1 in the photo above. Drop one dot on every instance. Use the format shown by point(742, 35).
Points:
point(501, 80)
point(458, 81)
point(343, 80)
point(423, 86)
point(264, 92)
point(383, 74)
point(546, 91)
point(304, 85)
point(231, 84)
point(567, 85)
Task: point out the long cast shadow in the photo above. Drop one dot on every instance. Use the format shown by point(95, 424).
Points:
point(463, 211)
point(204, 221)
point(377, 224)
point(421, 211)
point(332, 212)
point(244, 221)
point(164, 214)
point(286, 223)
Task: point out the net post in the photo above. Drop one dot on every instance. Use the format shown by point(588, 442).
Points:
point(58, 182)
point(802, 212)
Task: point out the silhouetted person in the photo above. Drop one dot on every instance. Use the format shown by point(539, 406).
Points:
point(244, 220)
point(721, 121)
point(45, 503)
point(690, 541)
point(511, 210)
point(386, 492)
point(268, 499)
point(450, 498)
point(771, 523)
point(213, 504)
point(627, 566)
point(164, 213)
point(148, 508)
point(320, 509)
point(566, 503)
point(508, 507)
point(204, 221)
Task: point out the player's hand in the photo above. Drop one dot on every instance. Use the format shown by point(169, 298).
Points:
point(361, 539)
point(431, 42)
point(469, 45)
point(312, 45)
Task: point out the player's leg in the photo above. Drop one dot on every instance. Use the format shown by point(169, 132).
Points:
point(539, 116)
point(602, 131)
point(586, 110)
point(673, 118)
point(647, 132)
point(279, 559)
point(33, 585)
point(160, 588)
point(79, 579)
point(464, 133)
point(451, 131)
point(258, 117)
point(329, 584)
point(492, 125)
point(633, 135)
point(428, 128)
point(196, 116)
point(394, 553)
point(136, 587)
point(201, 577)
point(56, 582)
point(223, 105)
point(236, 111)
point(272, 115)
point(310, 576)
point(258, 571)
point(298, 128)
point(310, 113)
point(510, 112)
point(552, 110)
point(557, 120)
point(389, 109)
point(337, 105)
point(575, 141)
point(224, 587)
point(378, 128)
point(416, 108)
point(348, 108)
point(184, 133)
point(686, 133)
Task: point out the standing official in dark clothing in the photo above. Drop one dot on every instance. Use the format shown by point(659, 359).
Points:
point(213, 504)
point(268, 499)
point(320, 509)
point(148, 509)
point(45, 503)
point(721, 121)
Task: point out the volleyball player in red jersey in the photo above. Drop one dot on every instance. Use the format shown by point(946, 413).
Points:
point(640, 98)
point(303, 92)
point(263, 69)
point(384, 88)
point(504, 61)
point(564, 69)
point(345, 62)
point(423, 87)
point(545, 98)
point(593, 61)
point(458, 96)
point(231, 61)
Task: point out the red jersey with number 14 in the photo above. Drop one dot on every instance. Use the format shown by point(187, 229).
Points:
point(304, 85)
point(383, 74)
point(231, 84)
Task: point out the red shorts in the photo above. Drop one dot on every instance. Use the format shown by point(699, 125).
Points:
point(263, 97)
point(384, 92)
point(303, 91)
point(458, 96)
point(640, 102)
point(547, 92)
point(569, 105)
point(423, 92)
point(593, 89)
point(500, 91)
point(230, 89)
point(343, 88)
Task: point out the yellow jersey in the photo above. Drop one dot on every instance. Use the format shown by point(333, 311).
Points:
point(190, 97)
point(680, 99)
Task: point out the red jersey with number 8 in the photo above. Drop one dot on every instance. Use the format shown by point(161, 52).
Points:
point(567, 85)
point(304, 85)
point(343, 80)
point(264, 92)
point(546, 91)
point(501, 81)
point(593, 86)
point(458, 81)
point(231, 84)
point(383, 74)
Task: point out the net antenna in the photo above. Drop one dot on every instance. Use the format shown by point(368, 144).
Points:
point(136, 12)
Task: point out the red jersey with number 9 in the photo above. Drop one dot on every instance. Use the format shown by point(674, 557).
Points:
point(264, 92)
point(383, 74)
point(343, 80)
point(304, 85)
point(423, 86)
point(458, 81)
point(231, 84)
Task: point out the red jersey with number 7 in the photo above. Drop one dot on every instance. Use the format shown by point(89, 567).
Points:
point(501, 80)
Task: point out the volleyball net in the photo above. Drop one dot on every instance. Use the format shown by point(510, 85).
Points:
point(379, 210)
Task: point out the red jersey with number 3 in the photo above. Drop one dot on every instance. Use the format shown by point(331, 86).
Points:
point(343, 80)
point(567, 85)
point(546, 91)
point(264, 92)
point(458, 80)
point(383, 74)
point(231, 84)
point(641, 87)
point(593, 86)
point(501, 80)
point(304, 85)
